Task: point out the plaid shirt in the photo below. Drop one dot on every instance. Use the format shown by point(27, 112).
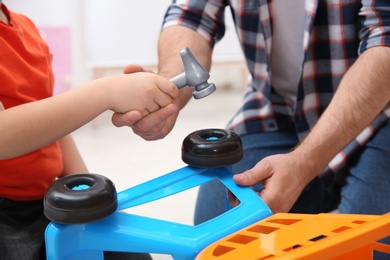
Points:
point(336, 31)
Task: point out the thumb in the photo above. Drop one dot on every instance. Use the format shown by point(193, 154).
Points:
point(126, 119)
point(248, 178)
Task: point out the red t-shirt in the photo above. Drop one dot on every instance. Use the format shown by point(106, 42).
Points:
point(26, 76)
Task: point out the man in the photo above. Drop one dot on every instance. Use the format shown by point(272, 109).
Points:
point(307, 147)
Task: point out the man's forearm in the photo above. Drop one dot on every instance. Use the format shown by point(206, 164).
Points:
point(363, 93)
point(172, 40)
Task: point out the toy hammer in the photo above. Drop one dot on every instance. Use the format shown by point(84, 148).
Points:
point(194, 75)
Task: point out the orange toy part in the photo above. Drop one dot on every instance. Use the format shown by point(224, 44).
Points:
point(304, 236)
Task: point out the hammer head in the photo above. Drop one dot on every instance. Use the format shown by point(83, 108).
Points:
point(203, 90)
point(196, 76)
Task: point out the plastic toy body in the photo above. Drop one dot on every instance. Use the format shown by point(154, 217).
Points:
point(247, 231)
point(304, 236)
point(132, 233)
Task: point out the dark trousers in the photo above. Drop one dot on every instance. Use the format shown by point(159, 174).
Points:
point(22, 227)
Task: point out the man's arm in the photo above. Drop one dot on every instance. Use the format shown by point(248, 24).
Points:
point(362, 94)
point(171, 41)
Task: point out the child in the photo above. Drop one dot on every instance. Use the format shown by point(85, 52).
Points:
point(35, 145)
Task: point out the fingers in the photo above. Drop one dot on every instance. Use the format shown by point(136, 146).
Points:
point(262, 171)
point(126, 119)
point(168, 87)
point(154, 92)
point(162, 101)
point(267, 194)
point(164, 95)
point(278, 201)
point(148, 121)
point(153, 126)
point(233, 201)
point(158, 124)
point(281, 178)
point(270, 198)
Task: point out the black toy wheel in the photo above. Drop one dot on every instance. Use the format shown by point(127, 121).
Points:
point(212, 148)
point(80, 198)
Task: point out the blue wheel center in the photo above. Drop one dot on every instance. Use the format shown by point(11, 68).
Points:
point(212, 138)
point(81, 187)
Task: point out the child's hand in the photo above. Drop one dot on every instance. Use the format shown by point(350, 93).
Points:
point(154, 126)
point(141, 91)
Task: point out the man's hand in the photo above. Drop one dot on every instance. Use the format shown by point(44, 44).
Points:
point(284, 177)
point(153, 126)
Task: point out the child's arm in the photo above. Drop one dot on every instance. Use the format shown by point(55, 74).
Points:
point(28, 127)
point(72, 160)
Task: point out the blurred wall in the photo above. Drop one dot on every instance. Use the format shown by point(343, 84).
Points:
point(106, 35)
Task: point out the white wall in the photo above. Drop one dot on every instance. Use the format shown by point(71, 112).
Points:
point(111, 33)
point(127, 31)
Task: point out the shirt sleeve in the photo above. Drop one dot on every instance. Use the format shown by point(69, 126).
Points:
point(205, 17)
point(375, 23)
